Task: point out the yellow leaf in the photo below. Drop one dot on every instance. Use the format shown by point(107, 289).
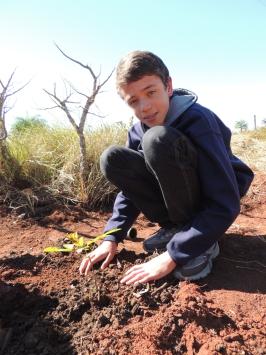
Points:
point(80, 243)
point(69, 246)
point(56, 250)
point(73, 237)
point(102, 236)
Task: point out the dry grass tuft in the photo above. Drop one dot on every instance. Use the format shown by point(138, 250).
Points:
point(251, 148)
point(47, 159)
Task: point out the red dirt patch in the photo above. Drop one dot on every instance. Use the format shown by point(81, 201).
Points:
point(47, 308)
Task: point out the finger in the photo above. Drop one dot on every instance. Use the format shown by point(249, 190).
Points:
point(134, 277)
point(83, 266)
point(92, 260)
point(146, 279)
point(85, 262)
point(107, 261)
point(88, 268)
point(131, 273)
point(133, 268)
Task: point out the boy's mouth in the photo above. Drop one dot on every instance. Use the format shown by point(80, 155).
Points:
point(150, 117)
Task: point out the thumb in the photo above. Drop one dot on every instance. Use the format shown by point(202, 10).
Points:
point(107, 260)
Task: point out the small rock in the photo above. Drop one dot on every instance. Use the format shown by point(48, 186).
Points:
point(220, 347)
point(74, 282)
point(102, 321)
point(180, 322)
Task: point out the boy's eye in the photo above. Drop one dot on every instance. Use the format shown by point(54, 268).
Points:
point(151, 93)
point(132, 102)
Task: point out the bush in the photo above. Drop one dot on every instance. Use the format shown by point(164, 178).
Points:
point(27, 123)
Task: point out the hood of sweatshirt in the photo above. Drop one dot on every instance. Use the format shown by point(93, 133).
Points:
point(180, 101)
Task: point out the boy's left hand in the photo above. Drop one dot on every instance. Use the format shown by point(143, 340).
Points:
point(154, 269)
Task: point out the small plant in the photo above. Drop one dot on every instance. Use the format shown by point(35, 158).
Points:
point(78, 244)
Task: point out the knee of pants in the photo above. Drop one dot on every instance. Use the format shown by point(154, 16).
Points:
point(160, 142)
point(153, 137)
point(109, 158)
point(156, 140)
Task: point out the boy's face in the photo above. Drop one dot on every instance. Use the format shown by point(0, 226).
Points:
point(149, 99)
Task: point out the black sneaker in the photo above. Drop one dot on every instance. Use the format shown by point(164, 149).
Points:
point(198, 267)
point(160, 239)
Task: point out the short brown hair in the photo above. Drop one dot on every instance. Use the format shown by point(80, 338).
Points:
point(137, 64)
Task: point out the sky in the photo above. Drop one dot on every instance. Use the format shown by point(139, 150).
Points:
point(215, 48)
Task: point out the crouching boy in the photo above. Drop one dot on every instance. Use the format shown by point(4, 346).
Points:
point(177, 169)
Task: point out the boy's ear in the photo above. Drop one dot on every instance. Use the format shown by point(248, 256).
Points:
point(169, 87)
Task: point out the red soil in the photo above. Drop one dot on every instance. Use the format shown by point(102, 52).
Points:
point(47, 308)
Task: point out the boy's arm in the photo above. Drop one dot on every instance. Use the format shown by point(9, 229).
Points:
point(124, 215)
point(220, 202)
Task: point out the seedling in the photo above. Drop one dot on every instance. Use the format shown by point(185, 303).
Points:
point(78, 243)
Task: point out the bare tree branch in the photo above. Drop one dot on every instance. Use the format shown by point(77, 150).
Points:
point(62, 104)
point(65, 104)
point(105, 81)
point(7, 92)
point(96, 114)
point(19, 89)
point(76, 91)
point(47, 108)
point(77, 62)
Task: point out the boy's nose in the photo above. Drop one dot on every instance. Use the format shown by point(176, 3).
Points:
point(145, 105)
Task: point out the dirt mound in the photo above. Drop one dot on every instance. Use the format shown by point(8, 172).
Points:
point(191, 324)
point(48, 308)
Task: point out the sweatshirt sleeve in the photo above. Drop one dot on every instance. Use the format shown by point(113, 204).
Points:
point(220, 200)
point(124, 215)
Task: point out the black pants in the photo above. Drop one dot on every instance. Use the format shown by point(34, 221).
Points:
point(161, 180)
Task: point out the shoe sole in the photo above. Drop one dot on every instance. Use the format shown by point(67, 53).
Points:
point(204, 272)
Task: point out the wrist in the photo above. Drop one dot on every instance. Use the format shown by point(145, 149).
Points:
point(111, 238)
point(169, 259)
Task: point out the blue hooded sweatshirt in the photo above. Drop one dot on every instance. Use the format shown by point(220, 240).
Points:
point(224, 179)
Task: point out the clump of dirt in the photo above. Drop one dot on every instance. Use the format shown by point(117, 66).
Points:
point(191, 324)
point(47, 308)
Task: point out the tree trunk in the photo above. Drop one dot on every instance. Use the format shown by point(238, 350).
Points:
point(7, 168)
point(83, 167)
point(3, 154)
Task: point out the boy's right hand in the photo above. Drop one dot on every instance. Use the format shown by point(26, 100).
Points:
point(106, 250)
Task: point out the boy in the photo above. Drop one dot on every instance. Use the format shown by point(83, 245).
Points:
point(177, 169)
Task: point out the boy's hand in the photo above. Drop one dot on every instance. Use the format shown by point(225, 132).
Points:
point(154, 269)
point(106, 250)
